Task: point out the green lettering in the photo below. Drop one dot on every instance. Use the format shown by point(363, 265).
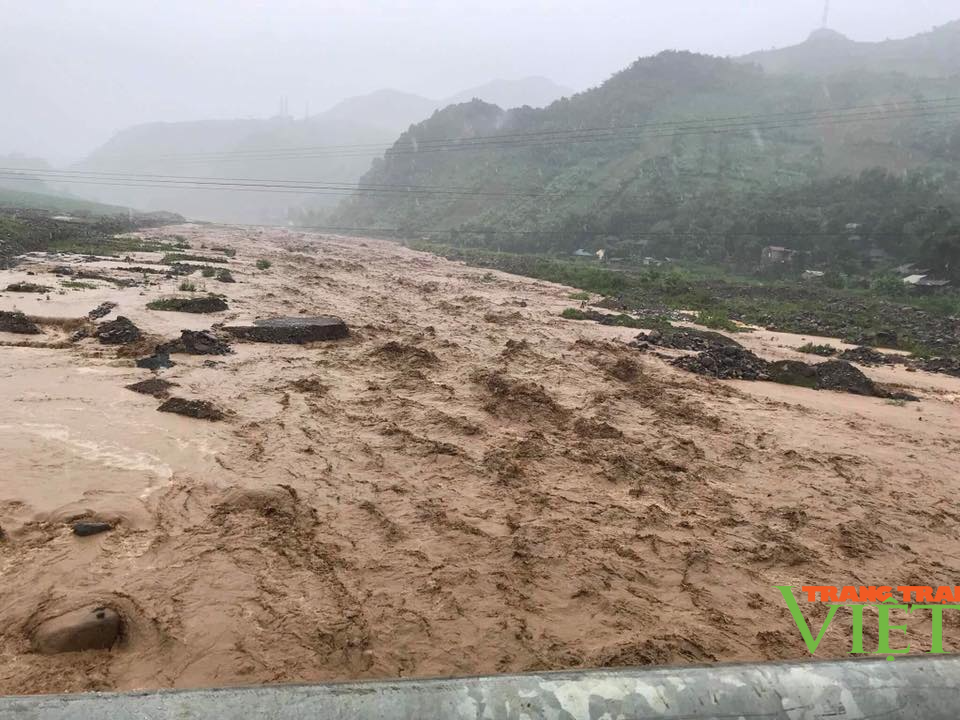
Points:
point(936, 630)
point(857, 644)
point(883, 613)
point(801, 622)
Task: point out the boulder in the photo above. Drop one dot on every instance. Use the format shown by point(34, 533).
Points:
point(96, 628)
point(291, 330)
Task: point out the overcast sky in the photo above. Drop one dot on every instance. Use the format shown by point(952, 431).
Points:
point(74, 71)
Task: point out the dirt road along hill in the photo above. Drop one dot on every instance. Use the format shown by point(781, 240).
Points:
point(467, 483)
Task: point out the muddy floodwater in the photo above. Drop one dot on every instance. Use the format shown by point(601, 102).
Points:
point(467, 483)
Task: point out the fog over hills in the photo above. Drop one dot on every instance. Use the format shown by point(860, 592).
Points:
point(826, 52)
point(245, 148)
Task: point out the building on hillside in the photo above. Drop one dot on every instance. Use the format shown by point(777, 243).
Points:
point(777, 255)
point(925, 283)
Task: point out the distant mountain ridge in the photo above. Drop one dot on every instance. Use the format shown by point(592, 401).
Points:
point(826, 52)
point(258, 148)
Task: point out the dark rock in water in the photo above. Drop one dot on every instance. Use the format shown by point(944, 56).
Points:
point(117, 332)
point(726, 363)
point(201, 342)
point(793, 372)
point(26, 287)
point(868, 356)
point(947, 366)
point(17, 322)
point(85, 528)
point(156, 361)
point(80, 334)
point(291, 330)
point(157, 387)
point(841, 375)
point(200, 409)
point(207, 304)
point(95, 628)
point(101, 310)
point(687, 339)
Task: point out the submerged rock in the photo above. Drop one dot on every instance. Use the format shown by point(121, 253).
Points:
point(207, 304)
point(26, 287)
point(156, 361)
point(196, 342)
point(17, 322)
point(841, 375)
point(157, 387)
point(85, 528)
point(200, 409)
point(118, 332)
point(291, 330)
point(96, 628)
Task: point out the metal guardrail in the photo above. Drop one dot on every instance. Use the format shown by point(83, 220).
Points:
point(915, 688)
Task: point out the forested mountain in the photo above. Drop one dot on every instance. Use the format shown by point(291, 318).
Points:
point(682, 154)
point(826, 52)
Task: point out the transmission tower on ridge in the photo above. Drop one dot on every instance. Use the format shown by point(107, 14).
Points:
point(826, 14)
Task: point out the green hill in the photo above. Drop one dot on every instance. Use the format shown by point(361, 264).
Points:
point(672, 169)
point(17, 199)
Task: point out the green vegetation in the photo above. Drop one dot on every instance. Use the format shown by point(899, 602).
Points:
point(77, 285)
point(821, 350)
point(715, 319)
point(584, 296)
point(208, 272)
point(856, 313)
point(263, 264)
point(711, 197)
point(16, 199)
point(187, 286)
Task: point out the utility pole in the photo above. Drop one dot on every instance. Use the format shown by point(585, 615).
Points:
point(826, 14)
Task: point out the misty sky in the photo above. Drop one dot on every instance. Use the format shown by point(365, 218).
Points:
point(74, 71)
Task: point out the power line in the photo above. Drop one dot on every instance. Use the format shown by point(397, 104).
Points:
point(293, 187)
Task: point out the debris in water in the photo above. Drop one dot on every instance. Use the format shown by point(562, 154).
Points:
point(118, 332)
point(101, 310)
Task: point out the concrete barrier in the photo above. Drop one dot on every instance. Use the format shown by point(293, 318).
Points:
point(918, 688)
